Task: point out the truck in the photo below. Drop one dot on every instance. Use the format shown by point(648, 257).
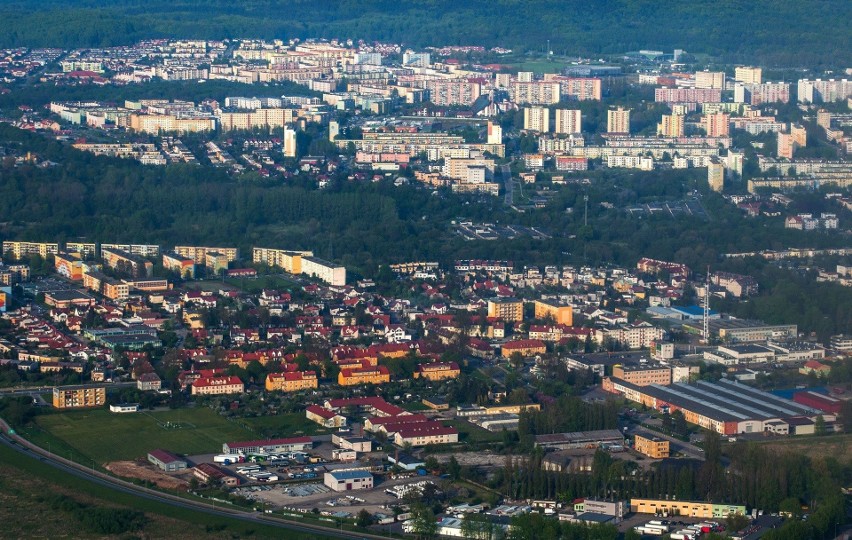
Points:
point(228, 459)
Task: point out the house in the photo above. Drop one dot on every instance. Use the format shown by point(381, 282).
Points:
point(148, 382)
point(166, 461)
point(406, 462)
point(425, 433)
point(292, 381)
point(815, 367)
point(436, 371)
point(324, 417)
point(525, 347)
point(348, 480)
point(210, 474)
point(124, 408)
point(211, 386)
point(363, 375)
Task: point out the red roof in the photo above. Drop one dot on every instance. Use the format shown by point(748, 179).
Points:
point(217, 381)
point(426, 429)
point(322, 412)
point(399, 419)
point(164, 456)
point(523, 344)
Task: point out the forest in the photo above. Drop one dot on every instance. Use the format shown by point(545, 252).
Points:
point(759, 31)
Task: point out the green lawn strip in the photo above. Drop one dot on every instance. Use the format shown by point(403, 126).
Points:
point(283, 425)
point(48, 473)
point(104, 436)
point(473, 434)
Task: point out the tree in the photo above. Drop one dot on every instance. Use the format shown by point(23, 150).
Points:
point(423, 524)
point(479, 527)
point(819, 425)
point(364, 519)
point(454, 468)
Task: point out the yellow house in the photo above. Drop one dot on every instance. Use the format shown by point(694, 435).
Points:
point(437, 371)
point(653, 448)
point(291, 381)
point(193, 319)
point(81, 397)
point(363, 375)
point(506, 309)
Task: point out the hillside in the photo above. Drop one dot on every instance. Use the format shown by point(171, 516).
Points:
point(781, 32)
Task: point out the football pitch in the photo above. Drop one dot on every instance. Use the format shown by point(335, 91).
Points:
point(103, 436)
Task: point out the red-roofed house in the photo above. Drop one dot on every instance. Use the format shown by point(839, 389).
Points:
point(526, 347)
point(291, 381)
point(437, 371)
point(426, 433)
point(214, 386)
point(166, 461)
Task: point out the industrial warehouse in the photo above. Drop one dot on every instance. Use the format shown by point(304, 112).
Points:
point(726, 407)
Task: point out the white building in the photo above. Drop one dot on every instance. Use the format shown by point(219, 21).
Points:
point(348, 480)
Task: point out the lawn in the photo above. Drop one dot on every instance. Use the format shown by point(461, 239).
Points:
point(283, 425)
point(474, 434)
point(838, 446)
point(256, 285)
point(103, 436)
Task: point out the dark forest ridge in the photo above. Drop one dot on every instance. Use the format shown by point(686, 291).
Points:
point(781, 32)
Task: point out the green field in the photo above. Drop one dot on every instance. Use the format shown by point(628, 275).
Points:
point(474, 434)
point(256, 285)
point(103, 436)
point(282, 425)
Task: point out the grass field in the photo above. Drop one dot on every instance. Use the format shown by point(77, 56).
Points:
point(474, 434)
point(103, 436)
point(283, 425)
point(837, 446)
point(255, 285)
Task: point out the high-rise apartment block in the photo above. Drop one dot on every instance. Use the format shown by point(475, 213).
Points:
point(618, 120)
point(569, 121)
point(537, 119)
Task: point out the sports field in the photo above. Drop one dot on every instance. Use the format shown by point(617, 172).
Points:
point(103, 436)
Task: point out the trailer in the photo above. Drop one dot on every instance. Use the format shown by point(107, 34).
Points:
point(228, 459)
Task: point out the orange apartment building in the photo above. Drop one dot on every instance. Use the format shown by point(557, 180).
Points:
point(64, 398)
point(561, 313)
point(506, 309)
point(68, 265)
point(214, 386)
point(363, 375)
point(183, 266)
point(653, 448)
point(127, 263)
point(437, 371)
point(291, 381)
point(526, 347)
point(643, 374)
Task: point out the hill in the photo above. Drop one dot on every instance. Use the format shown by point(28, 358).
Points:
point(780, 32)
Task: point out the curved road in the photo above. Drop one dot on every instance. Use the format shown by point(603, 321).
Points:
point(25, 447)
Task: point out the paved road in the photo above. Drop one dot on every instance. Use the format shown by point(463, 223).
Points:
point(506, 172)
point(26, 448)
point(38, 390)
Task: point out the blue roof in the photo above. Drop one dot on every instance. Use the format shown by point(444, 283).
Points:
point(695, 311)
point(349, 475)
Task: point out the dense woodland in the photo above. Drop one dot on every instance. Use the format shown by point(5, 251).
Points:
point(769, 32)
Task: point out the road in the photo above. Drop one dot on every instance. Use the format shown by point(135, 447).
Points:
point(36, 391)
point(26, 448)
point(506, 172)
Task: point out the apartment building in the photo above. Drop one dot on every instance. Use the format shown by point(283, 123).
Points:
point(18, 250)
point(214, 386)
point(820, 91)
point(748, 75)
point(580, 88)
point(453, 92)
point(569, 121)
point(68, 266)
point(537, 119)
point(291, 381)
point(535, 93)
point(687, 95)
point(324, 271)
point(127, 263)
point(425, 433)
point(618, 120)
point(183, 266)
point(506, 309)
point(651, 446)
point(757, 94)
point(64, 398)
point(670, 126)
point(363, 375)
point(710, 79)
point(716, 124)
point(524, 347)
point(634, 336)
point(141, 250)
point(559, 312)
point(199, 253)
point(289, 261)
point(256, 119)
point(437, 371)
point(643, 374)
